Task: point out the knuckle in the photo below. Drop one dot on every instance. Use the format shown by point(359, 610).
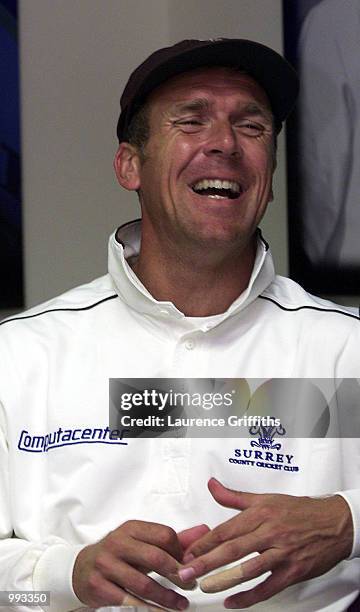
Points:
point(110, 543)
point(201, 566)
point(94, 583)
point(256, 565)
point(127, 526)
point(102, 561)
point(231, 550)
point(295, 573)
point(145, 587)
point(278, 532)
point(287, 536)
point(266, 512)
point(220, 535)
point(267, 540)
point(167, 535)
point(283, 538)
point(157, 559)
point(102, 594)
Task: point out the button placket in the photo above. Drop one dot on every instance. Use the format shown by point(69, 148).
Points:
point(174, 469)
point(190, 344)
point(187, 356)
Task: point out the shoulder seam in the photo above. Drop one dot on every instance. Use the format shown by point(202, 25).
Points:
point(37, 314)
point(345, 314)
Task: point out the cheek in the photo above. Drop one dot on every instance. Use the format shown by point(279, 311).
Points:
point(183, 147)
point(263, 163)
point(178, 160)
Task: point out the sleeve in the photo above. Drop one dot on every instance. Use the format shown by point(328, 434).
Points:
point(32, 566)
point(352, 497)
point(348, 403)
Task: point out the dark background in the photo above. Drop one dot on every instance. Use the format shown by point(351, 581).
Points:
point(11, 268)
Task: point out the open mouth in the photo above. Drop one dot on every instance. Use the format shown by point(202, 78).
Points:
point(218, 189)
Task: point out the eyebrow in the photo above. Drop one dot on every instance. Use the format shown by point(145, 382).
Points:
point(257, 109)
point(196, 105)
point(203, 105)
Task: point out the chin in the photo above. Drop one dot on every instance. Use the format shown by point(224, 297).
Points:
point(221, 237)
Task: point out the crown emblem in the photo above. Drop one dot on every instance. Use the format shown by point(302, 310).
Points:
point(266, 436)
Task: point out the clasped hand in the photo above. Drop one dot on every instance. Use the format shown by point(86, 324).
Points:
point(114, 571)
point(294, 538)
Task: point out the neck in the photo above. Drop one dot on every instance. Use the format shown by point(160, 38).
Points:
point(199, 284)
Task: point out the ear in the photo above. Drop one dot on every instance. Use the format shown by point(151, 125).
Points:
point(127, 166)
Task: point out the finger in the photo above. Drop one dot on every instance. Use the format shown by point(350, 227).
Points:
point(186, 585)
point(253, 568)
point(148, 558)
point(159, 535)
point(128, 578)
point(130, 600)
point(174, 578)
point(274, 584)
point(240, 525)
point(189, 536)
point(230, 551)
point(230, 498)
point(108, 594)
point(222, 580)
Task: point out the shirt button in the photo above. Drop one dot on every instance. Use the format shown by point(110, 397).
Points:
point(190, 345)
point(164, 312)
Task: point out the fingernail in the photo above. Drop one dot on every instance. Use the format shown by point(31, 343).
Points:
point(182, 605)
point(188, 558)
point(187, 574)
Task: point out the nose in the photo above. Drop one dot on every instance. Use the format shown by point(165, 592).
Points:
point(223, 140)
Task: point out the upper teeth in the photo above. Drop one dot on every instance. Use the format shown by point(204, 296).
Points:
point(218, 184)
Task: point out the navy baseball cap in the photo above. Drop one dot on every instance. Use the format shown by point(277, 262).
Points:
point(275, 75)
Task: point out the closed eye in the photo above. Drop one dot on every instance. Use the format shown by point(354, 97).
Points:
point(251, 129)
point(190, 125)
point(189, 122)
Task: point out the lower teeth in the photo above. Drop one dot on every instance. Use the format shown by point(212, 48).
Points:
point(217, 196)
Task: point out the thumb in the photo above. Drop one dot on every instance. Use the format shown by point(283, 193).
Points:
point(230, 498)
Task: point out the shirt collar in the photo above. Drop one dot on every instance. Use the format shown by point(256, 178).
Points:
point(124, 243)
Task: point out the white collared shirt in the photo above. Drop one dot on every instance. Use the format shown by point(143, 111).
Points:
point(56, 361)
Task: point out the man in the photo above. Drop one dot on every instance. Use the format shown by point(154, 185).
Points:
point(193, 296)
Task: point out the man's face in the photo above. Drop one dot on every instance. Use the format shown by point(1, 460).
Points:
point(207, 172)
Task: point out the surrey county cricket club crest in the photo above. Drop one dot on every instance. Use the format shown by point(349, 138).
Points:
point(266, 436)
point(265, 452)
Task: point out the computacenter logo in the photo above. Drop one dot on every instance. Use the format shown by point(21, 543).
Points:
point(31, 443)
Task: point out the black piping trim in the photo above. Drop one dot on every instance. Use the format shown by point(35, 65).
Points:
point(346, 314)
point(266, 244)
point(121, 227)
point(37, 314)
